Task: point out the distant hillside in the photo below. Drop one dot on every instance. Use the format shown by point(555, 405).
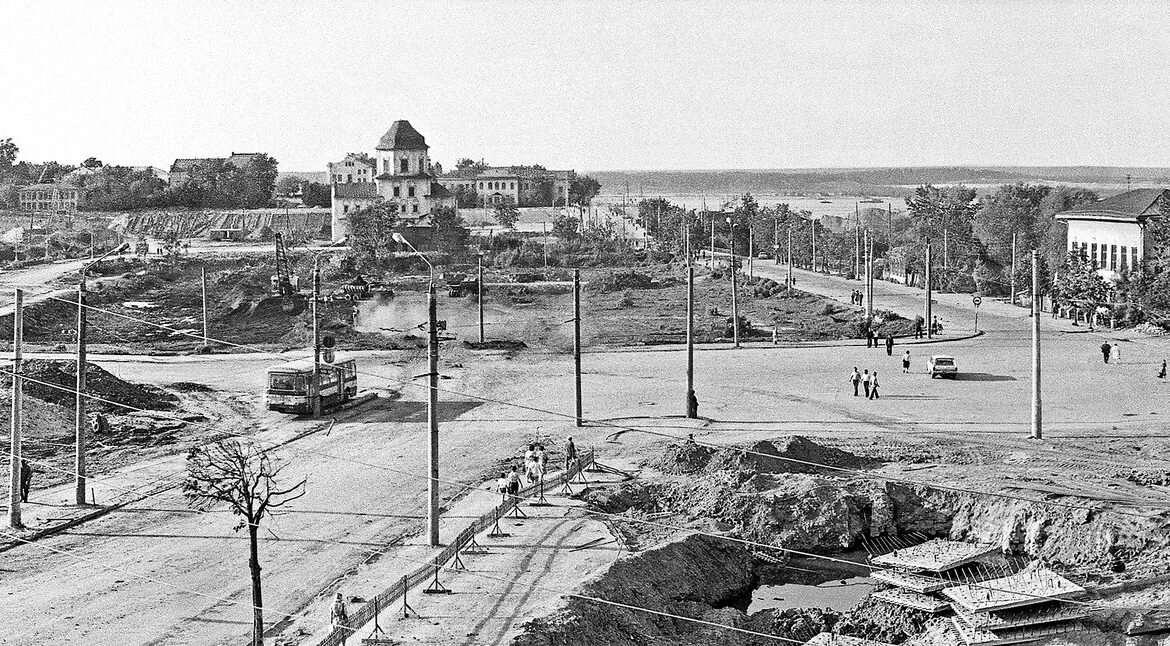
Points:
point(864, 181)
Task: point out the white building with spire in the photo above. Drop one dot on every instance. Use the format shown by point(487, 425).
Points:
point(404, 177)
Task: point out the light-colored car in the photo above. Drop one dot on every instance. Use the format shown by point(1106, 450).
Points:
point(941, 365)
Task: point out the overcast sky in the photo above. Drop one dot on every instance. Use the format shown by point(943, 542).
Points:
point(592, 85)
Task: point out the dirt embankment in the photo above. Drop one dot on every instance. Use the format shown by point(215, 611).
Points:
point(779, 495)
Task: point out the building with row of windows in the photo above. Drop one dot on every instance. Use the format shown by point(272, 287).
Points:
point(51, 198)
point(404, 178)
point(1112, 232)
point(522, 185)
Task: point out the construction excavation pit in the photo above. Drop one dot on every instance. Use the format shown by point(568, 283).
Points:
point(797, 541)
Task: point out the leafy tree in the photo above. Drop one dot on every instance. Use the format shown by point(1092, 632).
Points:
point(1080, 284)
point(245, 477)
point(565, 227)
point(317, 194)
point(583, 189)
point(468, 164)
point(371, 230)
point(92, 163)
point(506, 213)
point(288, 185)
point(9, 196)
point(8, 152)
point(450, 231)
point(258, 182)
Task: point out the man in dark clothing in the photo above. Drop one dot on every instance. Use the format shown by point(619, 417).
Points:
point(1162, 372)
point(855, 379)
point(869, 338)
point(692, 404)
point(865, 382)
point(1105, 350)
point(570, 453)
point(918, 327)
point(889, 345)
point(26, 475)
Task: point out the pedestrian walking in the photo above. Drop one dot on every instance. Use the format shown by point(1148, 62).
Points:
point(918, 323)
point(502, 486)
point(865, 382)
point(873, 387)
point(529, 458)
point(1162, 372)
point(1116, 352)
point(693, 403)
point(855, 379)
point(513, 482)
point(906, 362)
point(889, 344)
point(860, 299)
point(869, 338)
point(533, 473)
point(570, 453)
point(541, 457)
point(26, 476)
point(1105, 350)
point(338, 615)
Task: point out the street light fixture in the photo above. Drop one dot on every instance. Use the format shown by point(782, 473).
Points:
point(316, 381)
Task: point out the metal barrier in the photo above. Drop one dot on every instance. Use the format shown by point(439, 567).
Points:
point(427, 572)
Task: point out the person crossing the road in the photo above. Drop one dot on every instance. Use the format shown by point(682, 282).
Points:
point(873, 387)
point(889, 344)
point(906, 362)
point(855, 379)
point(1162, 372)
point(865, 382)
point(1106, 349)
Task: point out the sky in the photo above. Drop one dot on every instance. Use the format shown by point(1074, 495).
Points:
point(592, 85)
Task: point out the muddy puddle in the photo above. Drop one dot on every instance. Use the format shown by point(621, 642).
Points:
point(811, 583)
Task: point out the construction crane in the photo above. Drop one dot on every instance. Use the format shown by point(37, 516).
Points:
point(283, 282)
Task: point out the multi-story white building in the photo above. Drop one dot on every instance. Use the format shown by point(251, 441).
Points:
point(353, 168)
point(1111, 232)
point(523, 185)
point(404, 178)
point(51, 198)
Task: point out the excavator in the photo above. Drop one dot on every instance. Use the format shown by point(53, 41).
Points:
point(285, 284)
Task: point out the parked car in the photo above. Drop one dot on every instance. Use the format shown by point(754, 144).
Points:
point(941, 365)
point(763, 255)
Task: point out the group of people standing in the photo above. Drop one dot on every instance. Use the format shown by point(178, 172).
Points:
point(872, 341)
point(534, 467)
point(857, 297)
point(867, 380)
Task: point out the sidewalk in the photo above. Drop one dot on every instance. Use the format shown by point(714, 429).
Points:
point(494, 596)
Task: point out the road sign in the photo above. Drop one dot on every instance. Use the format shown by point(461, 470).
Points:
point(976, 300)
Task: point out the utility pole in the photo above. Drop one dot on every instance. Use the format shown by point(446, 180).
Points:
point(946, 251)
point(1037, 426)
point(751, 254)
point(929, 311)
point(315, 382)
point(734, 288)
point(479, 295)
point(712, 236)
point(1012, 296)
point(813, 224)
point(889, 225)
point(692, 410)
point(776, 240)
point(433, 416)
point(856, 241)
point(79, 420)
point(790, 257)
point(17, 406)
point(577, 342)
point(869, 280)
point(203, 279)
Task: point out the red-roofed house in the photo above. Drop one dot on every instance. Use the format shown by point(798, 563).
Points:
point(1111, 232)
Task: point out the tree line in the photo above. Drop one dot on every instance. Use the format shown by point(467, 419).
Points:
point(213, 184)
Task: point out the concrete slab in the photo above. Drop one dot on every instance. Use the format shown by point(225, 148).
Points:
point(1052, 612)
point(1025, 588)
point(829, 639)
point(936, 555)
point(914, 600)
point(909, 581)
point(971, 635)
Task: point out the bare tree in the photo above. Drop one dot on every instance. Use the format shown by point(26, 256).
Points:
point(244, 476)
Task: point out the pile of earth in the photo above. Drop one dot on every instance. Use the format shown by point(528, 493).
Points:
point(700, 577)
point(54, 380)
point(792, 505)
point(791, 454)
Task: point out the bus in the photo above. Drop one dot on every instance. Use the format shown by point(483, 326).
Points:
point(288, 384)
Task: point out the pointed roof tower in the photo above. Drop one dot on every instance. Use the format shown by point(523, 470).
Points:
point(402, 136)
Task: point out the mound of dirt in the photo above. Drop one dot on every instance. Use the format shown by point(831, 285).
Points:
point(792, 454)
point(499, 344)
point(60, 378)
